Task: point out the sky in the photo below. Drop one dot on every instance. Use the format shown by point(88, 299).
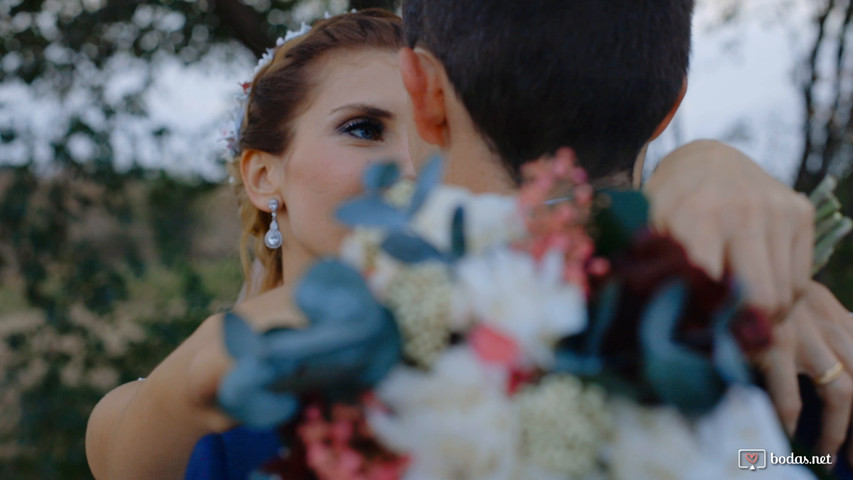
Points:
point(743, 89)
point(743, 86)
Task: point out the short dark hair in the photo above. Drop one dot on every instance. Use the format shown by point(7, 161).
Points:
point(595, 75)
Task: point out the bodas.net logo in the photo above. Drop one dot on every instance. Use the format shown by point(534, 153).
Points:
point(752, 458)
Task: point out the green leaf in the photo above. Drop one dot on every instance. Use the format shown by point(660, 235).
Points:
point(371, 211)
point(243, 396)
point(677, 375)
point(824, 190)
point(826, 245)
point(333, 292)
point(240, 340)
point(619, 217)
point(458, 245)
point(428, 178)
point(410, 248)
point(381, 175)
point(606, 307)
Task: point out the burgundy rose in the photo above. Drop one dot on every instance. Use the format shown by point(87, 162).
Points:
point(652, 262)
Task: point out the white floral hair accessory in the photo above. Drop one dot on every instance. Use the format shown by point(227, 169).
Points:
point(231, 132)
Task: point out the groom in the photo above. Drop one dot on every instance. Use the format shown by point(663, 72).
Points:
point(498, 83)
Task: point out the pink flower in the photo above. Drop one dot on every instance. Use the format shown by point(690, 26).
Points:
point(336, 443)
point(559, 226)
point(493, 346)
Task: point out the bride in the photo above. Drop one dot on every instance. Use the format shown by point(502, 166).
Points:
point(327, 104)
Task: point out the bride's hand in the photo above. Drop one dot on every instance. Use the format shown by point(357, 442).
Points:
point(732, 216)
point(816, 338)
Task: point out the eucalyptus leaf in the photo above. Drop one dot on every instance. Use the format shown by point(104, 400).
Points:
point(728, 358)
point(606, 306)
point(677, 375)
point(371, 211)
point(242, 394)
point(825, 246)
point(387, 354)
point(457, 234)
point(240, 339)
point(571, 362)
point(350, 343)
point(381, 175)
point(619, 218)
point(683, 379)
point(826, 225)
point(428, 178)
point(332, 292)
point(409, 248)
point(824, 190)
point(336, 357)
point(662, 313)
point(827, 208)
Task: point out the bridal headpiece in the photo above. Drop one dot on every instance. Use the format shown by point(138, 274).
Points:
point(231, 132)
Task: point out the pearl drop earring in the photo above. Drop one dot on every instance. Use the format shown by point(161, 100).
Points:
point(272, 239)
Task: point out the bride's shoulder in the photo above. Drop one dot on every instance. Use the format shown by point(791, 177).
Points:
point(273, 308)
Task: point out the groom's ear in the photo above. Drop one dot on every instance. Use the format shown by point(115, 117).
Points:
point(666, 121)
point(423, 79)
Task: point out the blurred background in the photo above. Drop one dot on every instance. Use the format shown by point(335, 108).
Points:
point(119, 234)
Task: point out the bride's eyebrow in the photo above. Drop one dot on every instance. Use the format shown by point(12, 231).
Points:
point(367, 110)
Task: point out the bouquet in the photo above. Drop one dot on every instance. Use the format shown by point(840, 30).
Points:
point(547, 335)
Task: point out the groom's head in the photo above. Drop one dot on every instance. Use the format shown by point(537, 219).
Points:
point(600, 76)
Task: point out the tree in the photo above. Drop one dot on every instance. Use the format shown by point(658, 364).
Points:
point(99, 277)
point(828, 126)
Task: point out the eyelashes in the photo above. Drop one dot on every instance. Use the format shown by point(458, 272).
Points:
point(363, 128)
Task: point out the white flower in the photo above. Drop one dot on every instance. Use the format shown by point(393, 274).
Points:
point(659, 443)
point(529, 301)
point(564, 424)
point(420, 296)
point(655, 444)
point(490, 219)
point(455, 420)
point(745, 418)
point(362, 250)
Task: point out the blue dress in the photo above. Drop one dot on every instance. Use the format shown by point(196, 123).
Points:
point(232, 455)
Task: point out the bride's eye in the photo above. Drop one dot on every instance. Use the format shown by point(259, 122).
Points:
point(363, 129)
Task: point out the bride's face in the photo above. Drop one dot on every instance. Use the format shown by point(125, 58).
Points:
point(357, 114)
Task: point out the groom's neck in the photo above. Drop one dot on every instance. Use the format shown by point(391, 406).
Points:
point(470, 163)
point(478, 170)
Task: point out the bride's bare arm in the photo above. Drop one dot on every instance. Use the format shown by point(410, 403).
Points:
point(148, 429)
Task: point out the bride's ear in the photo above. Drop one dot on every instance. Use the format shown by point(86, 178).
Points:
point(422, 77)
point(666, 121)
point(259, 173)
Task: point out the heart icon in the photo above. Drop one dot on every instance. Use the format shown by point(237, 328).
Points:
point(752, 457)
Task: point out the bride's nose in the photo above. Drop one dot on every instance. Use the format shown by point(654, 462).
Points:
point(404, 161)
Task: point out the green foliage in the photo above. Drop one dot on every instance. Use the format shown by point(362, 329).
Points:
point(93, 304)
point(838, 274)
point(99, 275)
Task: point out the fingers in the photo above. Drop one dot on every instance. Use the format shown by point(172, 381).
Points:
point(748, 258)
point(780, 241)
point(836, 327)
point(703, 243)
point(836, 418)
point(780, 371)
point(817, 359)
point(803, 245)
